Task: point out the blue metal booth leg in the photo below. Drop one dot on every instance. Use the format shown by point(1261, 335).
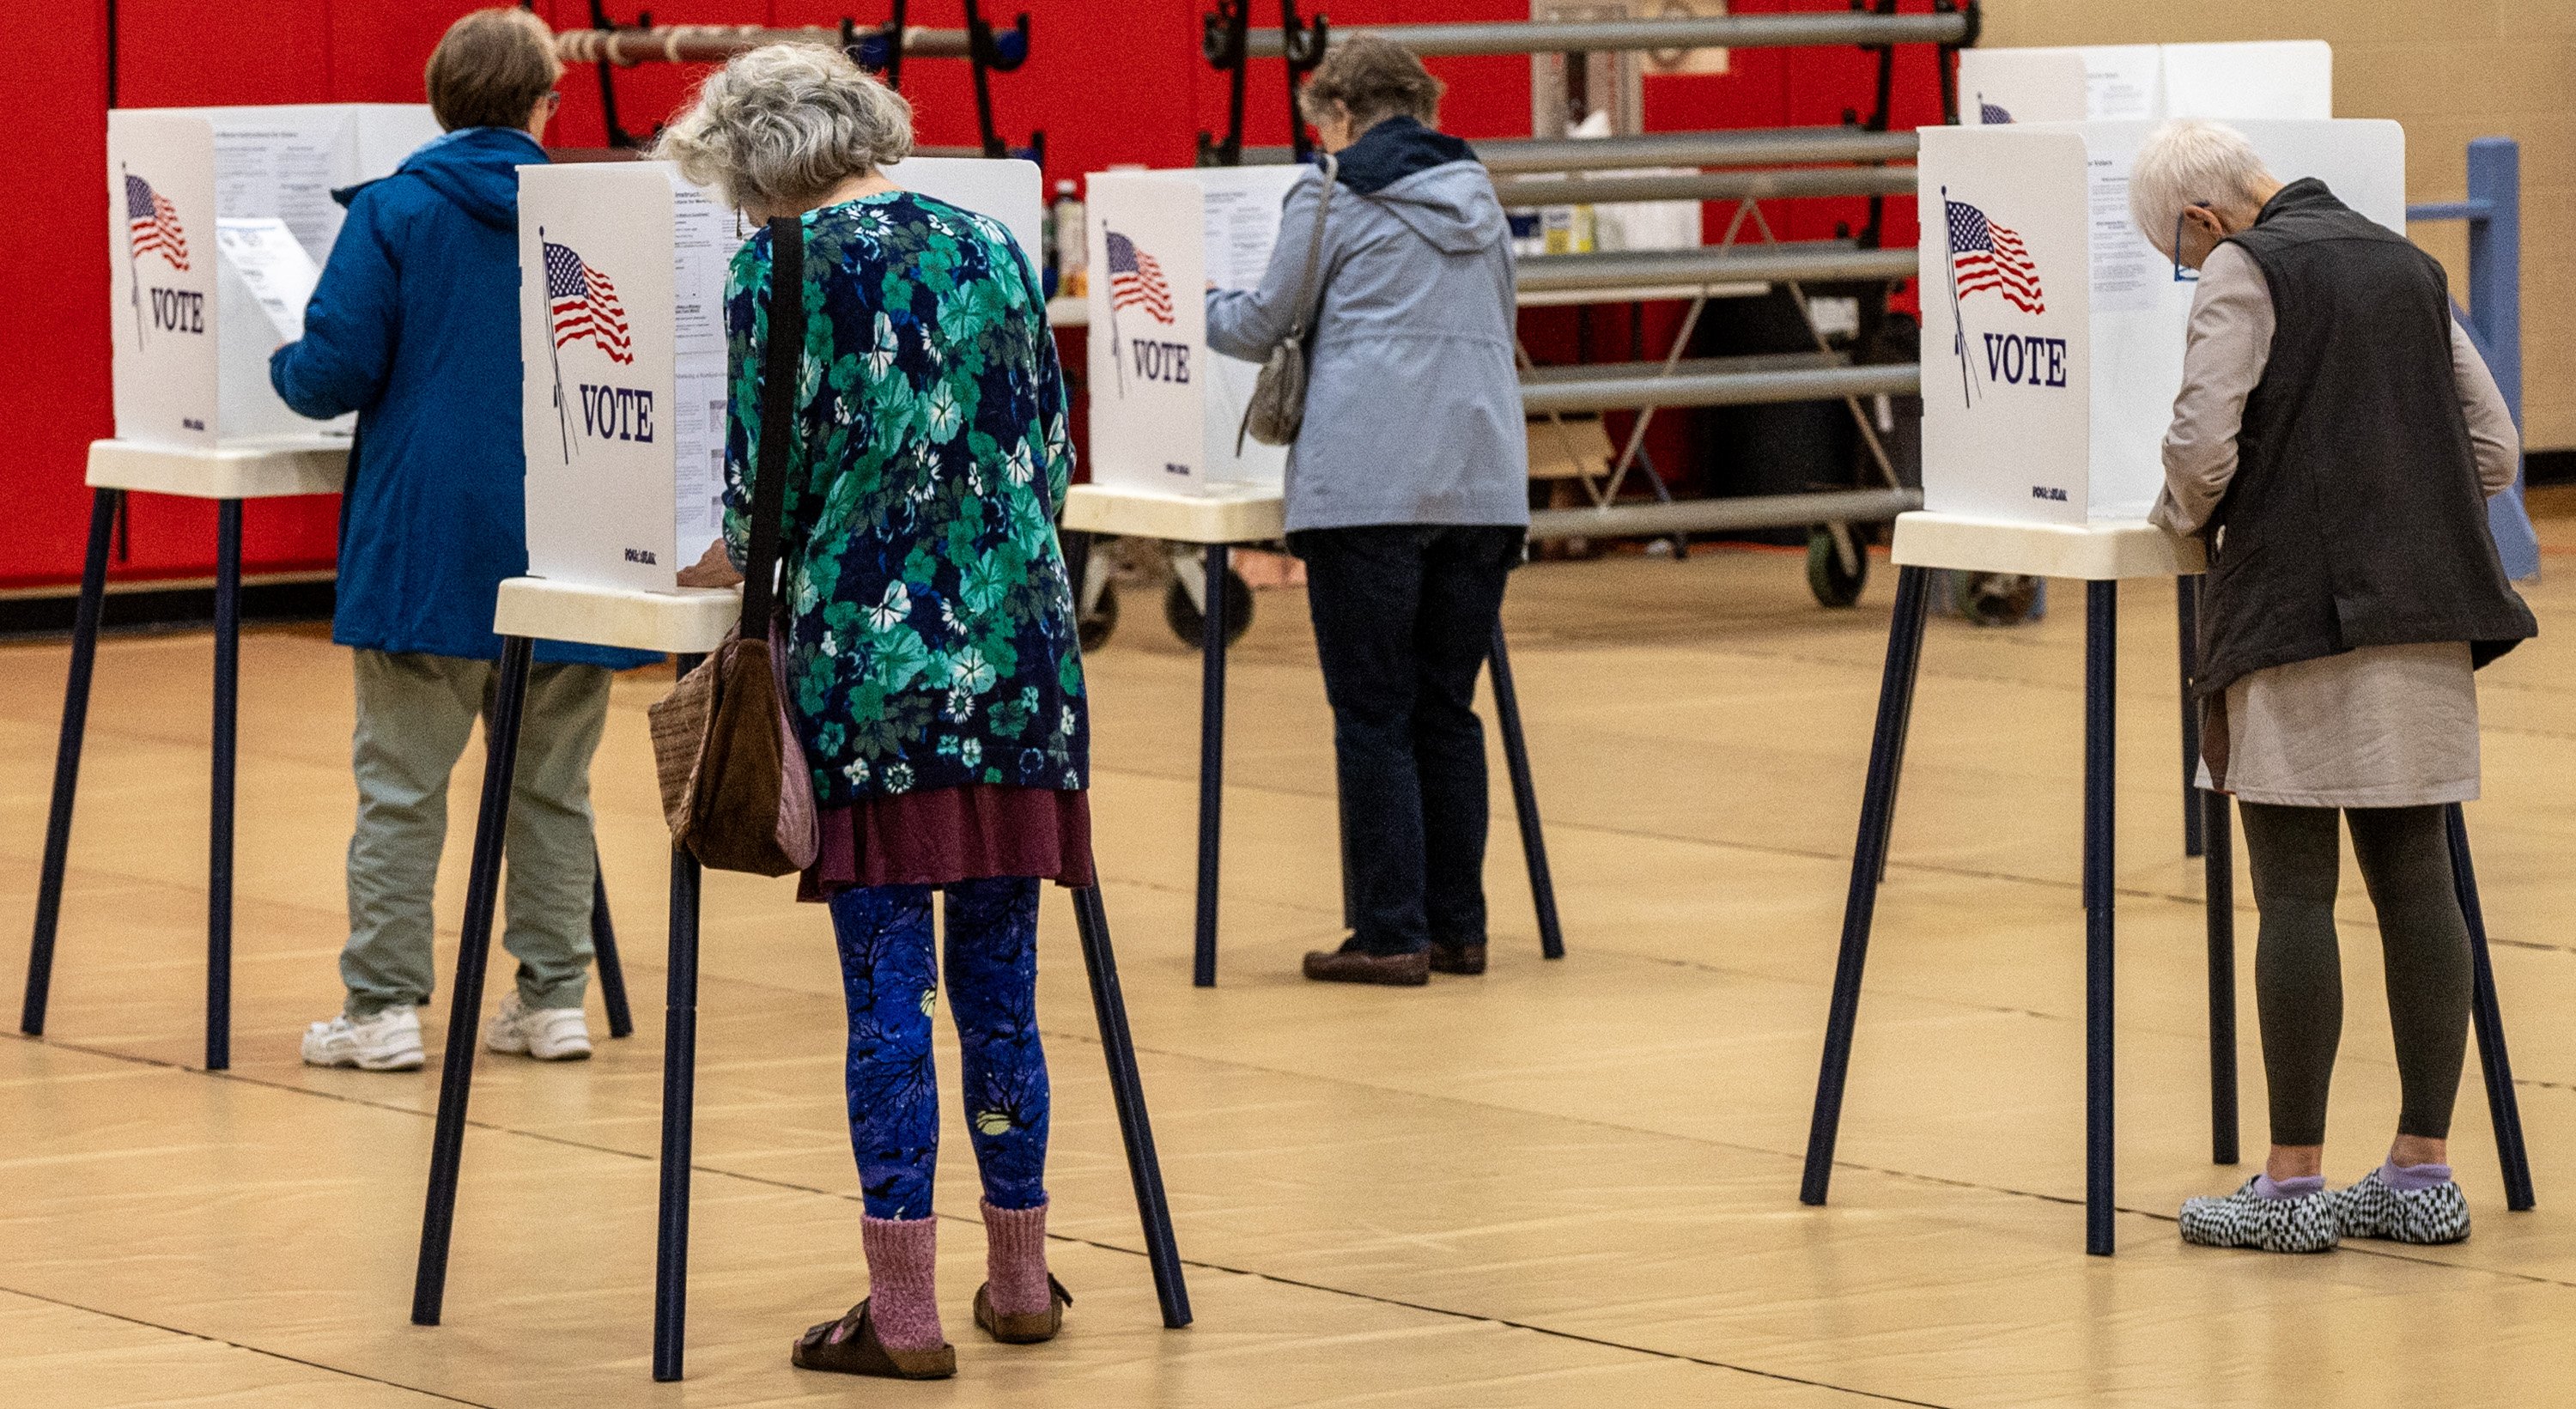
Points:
point(67, 761)
point(2187, 619)
point(1127, 1090)
point(1507, 717)
point(2218, 884)
point(2487, 1019)
point(465, 998)
point(219, 829)
point(603, 950)
point(1869, 855)
point(2101, 678)
point(1211, 761)
point(679, 1098)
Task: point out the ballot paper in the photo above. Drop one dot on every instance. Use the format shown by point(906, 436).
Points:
point(274, 265)
point(1242, 215)
point(2126, 269)
point(704, 235)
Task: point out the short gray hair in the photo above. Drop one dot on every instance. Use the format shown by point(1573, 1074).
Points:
point(783, 124)
point(2186, 162)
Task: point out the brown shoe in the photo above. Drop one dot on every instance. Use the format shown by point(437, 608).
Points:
point(850, 1346)
point(1024, 1328)
point(1359, 966)
point(1457, 958)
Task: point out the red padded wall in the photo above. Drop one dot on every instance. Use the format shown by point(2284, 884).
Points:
point(1109, 81)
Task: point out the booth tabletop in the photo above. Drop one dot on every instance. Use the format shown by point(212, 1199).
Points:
point(2094, 552)
point(249, 469)
point(685, 621)
point(1227, 514)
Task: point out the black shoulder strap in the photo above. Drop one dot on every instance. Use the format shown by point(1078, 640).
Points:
point(781, 355)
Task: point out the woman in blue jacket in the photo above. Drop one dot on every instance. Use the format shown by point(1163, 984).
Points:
point(1408, 493)
point(415, 326)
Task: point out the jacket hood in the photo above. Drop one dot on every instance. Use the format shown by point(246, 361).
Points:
point(476, 167)
point(1429, 180)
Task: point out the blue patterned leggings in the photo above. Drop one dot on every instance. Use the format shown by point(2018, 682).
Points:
point(992, 966)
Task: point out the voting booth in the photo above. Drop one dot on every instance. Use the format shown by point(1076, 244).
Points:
point(1164, 408)
point(623, 273)
point(2053, 338)
point(2147, 82)
point(219, 220)
point(622, 352)
point(2053, 332)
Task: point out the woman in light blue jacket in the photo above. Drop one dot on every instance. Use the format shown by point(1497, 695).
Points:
point(1407, 492)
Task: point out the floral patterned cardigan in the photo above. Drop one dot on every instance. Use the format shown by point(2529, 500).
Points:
point(930, 641)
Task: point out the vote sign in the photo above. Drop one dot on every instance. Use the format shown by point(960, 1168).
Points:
point(2053, 331)
point(621, 337)
point(161, 248)
point(190, 337)
point(623, 361)
point(1148, 343)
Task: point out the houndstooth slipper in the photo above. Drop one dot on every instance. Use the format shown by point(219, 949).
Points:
point(2368, 1208)
point(2246, 1219)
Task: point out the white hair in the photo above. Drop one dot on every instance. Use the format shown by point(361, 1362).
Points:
point(781, 125)
point(2187, 162)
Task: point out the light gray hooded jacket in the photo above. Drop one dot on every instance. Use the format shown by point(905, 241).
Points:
point(1413, 404)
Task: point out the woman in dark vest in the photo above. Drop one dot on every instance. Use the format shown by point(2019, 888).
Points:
point(2334, 444)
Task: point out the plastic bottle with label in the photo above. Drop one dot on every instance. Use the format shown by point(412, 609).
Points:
point(1065, 220)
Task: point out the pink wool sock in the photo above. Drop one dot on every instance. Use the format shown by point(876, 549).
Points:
point(903, 1270)
point(1015, 1259)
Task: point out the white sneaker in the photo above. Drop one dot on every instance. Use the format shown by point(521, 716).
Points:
point(547, 1034)
point(389, 1041)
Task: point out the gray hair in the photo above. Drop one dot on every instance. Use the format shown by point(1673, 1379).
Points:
point(781, 125)
point(1373, 78)
point(2187, 162)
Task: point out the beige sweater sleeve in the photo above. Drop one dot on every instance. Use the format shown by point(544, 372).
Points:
point(2229, 344)
point(2491, 430)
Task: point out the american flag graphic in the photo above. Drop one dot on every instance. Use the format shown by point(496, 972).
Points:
point(1992, 114)
point(152, 224)
point(582, 303)
point(1136, 281)
point(1987, 255)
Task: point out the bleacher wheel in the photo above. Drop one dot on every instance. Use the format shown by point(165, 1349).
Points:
point(1190, 624)
point(1833, 584)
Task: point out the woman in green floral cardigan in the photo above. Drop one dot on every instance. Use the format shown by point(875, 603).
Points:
point(931, 661)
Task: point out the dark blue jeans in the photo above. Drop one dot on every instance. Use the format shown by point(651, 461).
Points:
point(1404, 619)
point(886, 974)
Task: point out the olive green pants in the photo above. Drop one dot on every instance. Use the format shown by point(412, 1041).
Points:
point(415, 713)
point(2405, 856)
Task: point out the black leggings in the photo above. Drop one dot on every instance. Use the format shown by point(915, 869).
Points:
point(2298, 973)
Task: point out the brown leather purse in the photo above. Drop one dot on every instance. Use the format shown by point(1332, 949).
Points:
point(735, 786)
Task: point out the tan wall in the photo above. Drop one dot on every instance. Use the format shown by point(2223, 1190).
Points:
point(2449, 70)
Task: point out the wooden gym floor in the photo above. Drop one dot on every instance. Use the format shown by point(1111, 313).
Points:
point(1562, 1183)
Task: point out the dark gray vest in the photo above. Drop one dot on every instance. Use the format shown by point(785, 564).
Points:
point(2355, 517)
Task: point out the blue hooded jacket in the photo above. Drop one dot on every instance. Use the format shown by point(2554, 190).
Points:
point(1413, 405)
point(415, 326)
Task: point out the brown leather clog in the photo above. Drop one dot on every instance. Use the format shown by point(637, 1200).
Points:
point(1025, 1328)
point(850, 1346)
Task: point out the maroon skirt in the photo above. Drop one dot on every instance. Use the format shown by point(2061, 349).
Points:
point(946, 835)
